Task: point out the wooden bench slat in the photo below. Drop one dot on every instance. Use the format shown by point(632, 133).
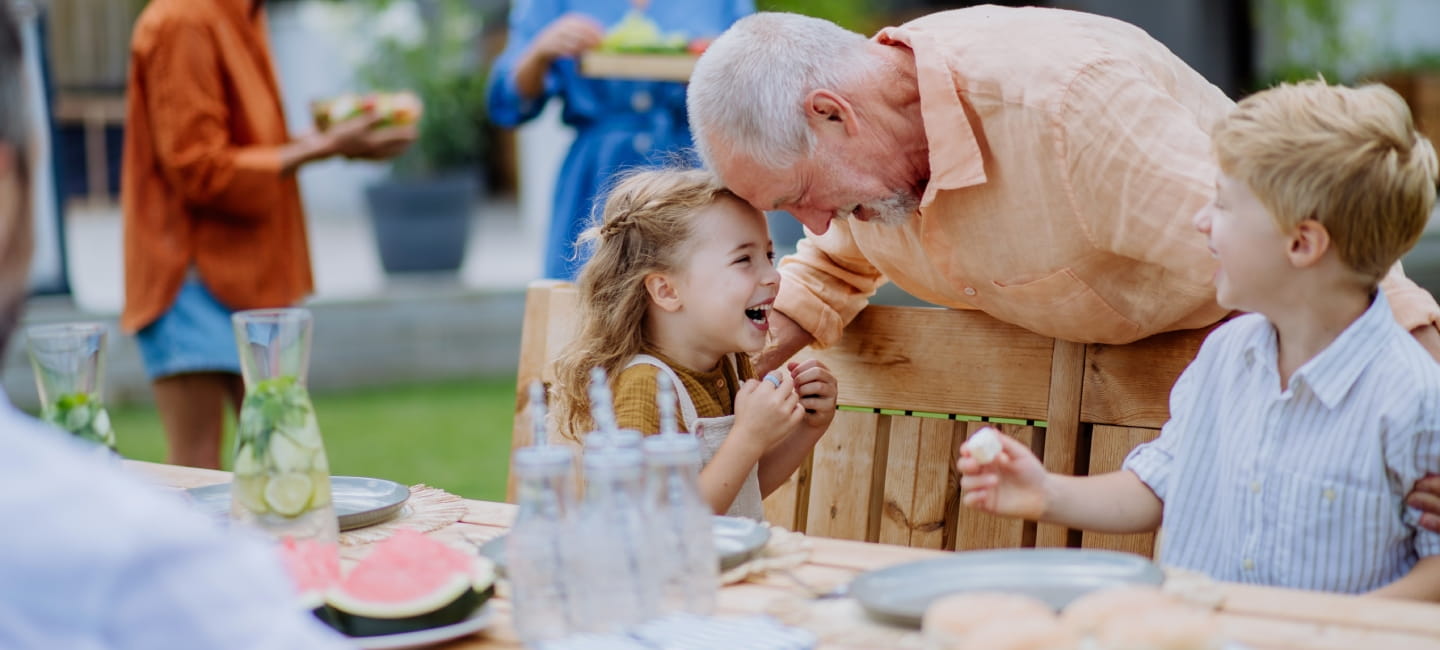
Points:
point(1129, 385)
point(1108, 448)
point(941, 361)
point(841, 477)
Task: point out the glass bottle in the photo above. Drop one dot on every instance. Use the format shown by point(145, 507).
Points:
point(616, 585)
point(541, 589)
point(681, 522)
point(69, 364)
point(282, 477)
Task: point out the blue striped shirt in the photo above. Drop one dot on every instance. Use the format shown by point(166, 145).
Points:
point(1303, 487)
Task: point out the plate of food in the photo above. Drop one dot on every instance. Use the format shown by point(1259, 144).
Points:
point(359, 501)
point(635, 48)
point(737, 540)
point(409, 591)
point(476, 621)
point(900, 594)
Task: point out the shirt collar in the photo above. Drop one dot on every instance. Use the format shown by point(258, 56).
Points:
point(956, 160)
point(1332, 372)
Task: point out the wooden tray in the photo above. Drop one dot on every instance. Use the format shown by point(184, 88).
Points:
point(654, 67)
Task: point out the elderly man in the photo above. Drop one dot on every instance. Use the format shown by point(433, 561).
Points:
point(94, 559)
point(1040, 165)
point(1037, 164)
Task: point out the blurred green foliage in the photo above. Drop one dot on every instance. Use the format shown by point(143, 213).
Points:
point(855, 15)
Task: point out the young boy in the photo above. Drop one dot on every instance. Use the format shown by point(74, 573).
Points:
point(1298, 429)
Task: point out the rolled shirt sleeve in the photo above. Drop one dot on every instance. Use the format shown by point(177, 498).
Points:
point(193, 142)
point(826, 283)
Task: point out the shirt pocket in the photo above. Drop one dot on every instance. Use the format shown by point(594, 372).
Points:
point(1333, 534)
point(1061, 305)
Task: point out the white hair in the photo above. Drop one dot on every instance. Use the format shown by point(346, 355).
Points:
point(748, 90)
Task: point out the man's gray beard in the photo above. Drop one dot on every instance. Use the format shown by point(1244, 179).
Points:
point(894, 210)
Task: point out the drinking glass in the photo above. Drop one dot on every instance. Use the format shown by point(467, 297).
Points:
point(69, 364)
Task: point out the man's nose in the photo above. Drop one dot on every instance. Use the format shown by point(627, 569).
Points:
point(817, 221)
point(1202, 220)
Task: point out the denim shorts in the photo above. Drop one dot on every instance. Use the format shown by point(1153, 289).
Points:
point(195, 335)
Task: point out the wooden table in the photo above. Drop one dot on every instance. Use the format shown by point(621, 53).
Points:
point(1263, 618)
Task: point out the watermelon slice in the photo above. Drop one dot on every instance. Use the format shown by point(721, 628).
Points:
point(315, 568)
point(410, 582)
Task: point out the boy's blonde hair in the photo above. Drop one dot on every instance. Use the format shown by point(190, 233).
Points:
point(1349, 158)
point(645, 228)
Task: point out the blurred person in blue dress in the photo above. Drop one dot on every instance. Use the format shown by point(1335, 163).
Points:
point(618, 124)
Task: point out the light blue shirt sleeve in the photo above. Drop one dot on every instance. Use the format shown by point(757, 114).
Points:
point(1154, 461)
point(94, 558)
point(1410, 456)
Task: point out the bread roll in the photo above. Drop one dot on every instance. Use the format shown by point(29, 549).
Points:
point(1088, 613)
point(948, 620)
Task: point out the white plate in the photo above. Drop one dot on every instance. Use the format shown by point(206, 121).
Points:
point(900, 594)
point(427, 637)
point(359, 501)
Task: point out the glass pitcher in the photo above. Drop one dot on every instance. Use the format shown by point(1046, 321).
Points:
point(282, 477)
point(69, 364)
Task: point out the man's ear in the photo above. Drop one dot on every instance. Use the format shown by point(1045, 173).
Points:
point(1308, 243)
point(827, 109)
point(663, 292)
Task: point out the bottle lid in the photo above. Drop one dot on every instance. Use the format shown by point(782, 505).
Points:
point(605, 462)
point(544, 460)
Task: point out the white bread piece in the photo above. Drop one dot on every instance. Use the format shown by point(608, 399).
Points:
point(948, 620)
point(984, 445)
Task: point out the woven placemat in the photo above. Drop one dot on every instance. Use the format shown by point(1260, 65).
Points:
point(786, 549)
point(429, 508)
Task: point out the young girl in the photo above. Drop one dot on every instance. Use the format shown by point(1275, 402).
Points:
point(680, 282)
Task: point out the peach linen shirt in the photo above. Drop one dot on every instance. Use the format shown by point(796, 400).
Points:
point(202, 185)
point(1068, 155)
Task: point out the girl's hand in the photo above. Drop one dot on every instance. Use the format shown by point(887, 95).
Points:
point(1012, 485)
point(817, 390)
point(767, 410)
point(569, 35)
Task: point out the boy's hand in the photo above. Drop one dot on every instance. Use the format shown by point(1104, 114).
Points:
point(767, 410)
point(1012, 485)
point(817, 390)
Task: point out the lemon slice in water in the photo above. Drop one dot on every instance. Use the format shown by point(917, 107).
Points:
point(288, 494)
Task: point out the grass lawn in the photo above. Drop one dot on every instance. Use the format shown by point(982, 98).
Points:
point(454, 435)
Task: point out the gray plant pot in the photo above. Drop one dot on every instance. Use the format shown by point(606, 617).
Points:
point(422, 225)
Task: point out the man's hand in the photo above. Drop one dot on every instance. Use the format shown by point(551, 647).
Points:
point(1426, 498)
point(1429, 338)
point(786, 338)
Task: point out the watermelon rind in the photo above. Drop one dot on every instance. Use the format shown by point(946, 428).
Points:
point(451, 603)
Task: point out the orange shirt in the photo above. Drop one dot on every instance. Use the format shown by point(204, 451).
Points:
point(202, 185)
point(1068, 155)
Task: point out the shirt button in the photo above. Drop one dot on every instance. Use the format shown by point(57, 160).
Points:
point(1249, 564)
point(720, 383)
point(969, 291)
point(641, 101)
point(1255, 487)
point(642, 142)
point(1330, 495)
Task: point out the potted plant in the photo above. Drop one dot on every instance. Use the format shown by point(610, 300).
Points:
point(422, 211)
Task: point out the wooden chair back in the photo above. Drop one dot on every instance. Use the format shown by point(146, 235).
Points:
point(914, 383)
